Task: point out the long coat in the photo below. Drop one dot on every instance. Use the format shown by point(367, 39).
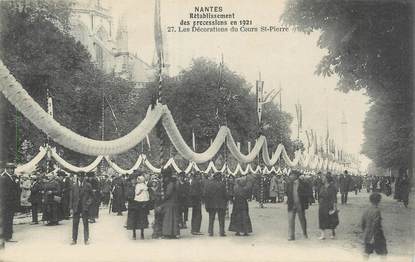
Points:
point(184, 194)
point(52, 189)
point(81, 197)
point(36, 193)
point(9, 193)
point(118, 192)
point(9, 203)
point(170, 210)
point(195, 192)
point(344, 183)
point(215, 195)
point(240, 220)
point(273, 188)
point(66, 196)
point(327, 198)
point(96, 200)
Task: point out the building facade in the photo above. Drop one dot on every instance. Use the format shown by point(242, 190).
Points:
point(93, 25)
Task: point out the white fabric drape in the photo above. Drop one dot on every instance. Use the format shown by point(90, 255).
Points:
point(15, 93)
point(73, 168)
point(32, 164)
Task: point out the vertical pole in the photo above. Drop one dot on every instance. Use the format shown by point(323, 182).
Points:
point(47, 137)
point(17, 156)
point(103, 115)
point(101, 166)
point(261, 181)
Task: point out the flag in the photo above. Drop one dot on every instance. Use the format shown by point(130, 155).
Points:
point(50, 106)
point(238, 144)
point(315, 142)
point(148, 142)
point(271, 96)
point(114, 118)
point(299, 113)
point(249, 146)
point(308, 139)
point(268, 95)
point(193, 140)
point(259, 98)
point(158, 36)
point(301, 116)
point(327, 140)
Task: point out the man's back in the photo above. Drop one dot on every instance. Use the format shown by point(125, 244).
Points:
point(215, 194)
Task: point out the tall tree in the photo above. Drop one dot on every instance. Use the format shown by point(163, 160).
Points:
point(369, 47)
point(199, 104)
point(36, 46)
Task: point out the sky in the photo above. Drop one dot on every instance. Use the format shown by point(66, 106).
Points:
point(286, 59)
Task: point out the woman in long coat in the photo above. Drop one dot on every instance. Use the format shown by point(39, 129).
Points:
point(240, 220)
point(273, 188)
point(118, 193)
point(170, 206)
point(327, 211)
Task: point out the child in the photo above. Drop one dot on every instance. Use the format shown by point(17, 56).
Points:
point(372, 228)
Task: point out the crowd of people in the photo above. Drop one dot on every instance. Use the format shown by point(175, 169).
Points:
point(60, 195)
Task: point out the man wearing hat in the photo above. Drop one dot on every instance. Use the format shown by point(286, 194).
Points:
point(298, 200)
point(9, 190)
point(184, 199)
point(36, 197)
point(216, 200)
point(196, 203)
point(82, 197)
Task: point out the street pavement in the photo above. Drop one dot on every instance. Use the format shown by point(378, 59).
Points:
point(110, 241)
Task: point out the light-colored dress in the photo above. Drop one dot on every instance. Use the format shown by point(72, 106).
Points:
point(25, 194)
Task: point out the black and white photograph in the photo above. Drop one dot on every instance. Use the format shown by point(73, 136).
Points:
point(207, 130)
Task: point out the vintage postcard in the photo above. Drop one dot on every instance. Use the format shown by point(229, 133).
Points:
point(206, 130)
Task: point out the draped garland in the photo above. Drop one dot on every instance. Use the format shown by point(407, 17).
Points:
point(15, 93)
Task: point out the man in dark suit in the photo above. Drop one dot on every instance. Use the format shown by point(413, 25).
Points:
point(82, 196)
point(298, 200)
point(344, 184)
point(66, 191)
point(196, 203)
point(9, 191)
point(215, 202)
point(184, 199)
point(36, 198)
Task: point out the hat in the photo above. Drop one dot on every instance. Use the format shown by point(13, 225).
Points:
point(61, 173)
point(217, 174)
point(167, 172)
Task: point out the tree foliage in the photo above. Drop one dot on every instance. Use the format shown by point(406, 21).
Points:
point(36, 47)
point(203, 97)
point(369, 47)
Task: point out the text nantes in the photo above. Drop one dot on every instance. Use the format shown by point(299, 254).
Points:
point(202, 9)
